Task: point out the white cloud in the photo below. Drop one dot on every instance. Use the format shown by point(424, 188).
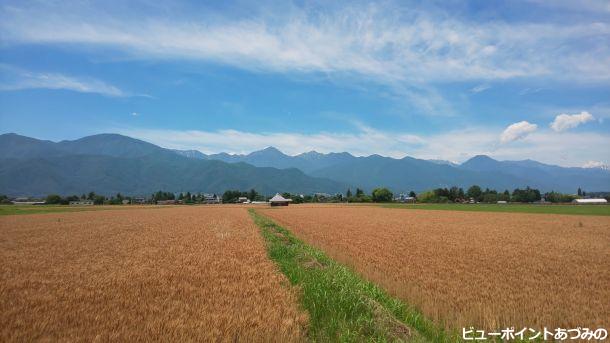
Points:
point(365, 142)
point(517, 131)
point(480, 88)
point(18, 79)
point(383, 42)
point(135, 114)
point(565, 122)
point(567, 149)
point(595, 164)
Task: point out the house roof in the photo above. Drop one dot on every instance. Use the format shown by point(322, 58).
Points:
point(279, 198)
point(591, 200)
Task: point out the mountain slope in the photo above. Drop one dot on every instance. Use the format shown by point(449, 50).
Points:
point(108, 144)
point(270, 157)
point(108, 164)
point(15, 146)
point(402, 175)
point(544, 176)
point(415, 174)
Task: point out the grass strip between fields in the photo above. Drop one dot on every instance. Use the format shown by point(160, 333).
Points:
point(583, 210)
point(341, 305)
point(9, 210)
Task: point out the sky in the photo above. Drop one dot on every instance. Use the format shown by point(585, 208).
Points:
point(441, 80)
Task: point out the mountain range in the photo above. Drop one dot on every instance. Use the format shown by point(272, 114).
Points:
point(410, 173)
point(111, 163)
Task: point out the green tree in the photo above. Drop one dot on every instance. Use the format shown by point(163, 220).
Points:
point(252, 195)
point(53, 199)
point(454, 193)
point(475, 192)
point(505, 196)
point(412, 194)
point(557, 197)
point(490, 197)
point(230, 196)
point(381, 195)
point(427, 197)
point(526, 195)
point(349, 193)
point(66, 200)
point(461, 194)
point(4, 199)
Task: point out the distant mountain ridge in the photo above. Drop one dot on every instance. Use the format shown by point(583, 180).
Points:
point(409, 173)
point(110, 163)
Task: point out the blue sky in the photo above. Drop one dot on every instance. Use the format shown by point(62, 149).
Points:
point(443, 80)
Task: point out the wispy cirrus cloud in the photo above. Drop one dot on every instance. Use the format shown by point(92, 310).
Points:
point(17, 79)
point(410, 51)
point(384, 42)
point(480, 88)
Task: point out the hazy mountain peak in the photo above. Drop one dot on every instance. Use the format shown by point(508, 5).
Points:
point(268, 151)
point(191, 153)
point(481, 158)
point(310, 155)
point(443, 162)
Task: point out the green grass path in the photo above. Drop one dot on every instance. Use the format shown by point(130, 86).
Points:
point(342, 306)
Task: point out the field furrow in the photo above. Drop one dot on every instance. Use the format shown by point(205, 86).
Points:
point(172, 274)
point(490, 270)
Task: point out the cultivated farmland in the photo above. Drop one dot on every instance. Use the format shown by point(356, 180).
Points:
point(171, 274)
point(490, 270)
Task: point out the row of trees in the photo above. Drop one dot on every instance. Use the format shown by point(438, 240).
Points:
point(377, 195)
point(476, 193)
point(55, 199)
point(4, 200)
point(232, 196)
point(438, 195)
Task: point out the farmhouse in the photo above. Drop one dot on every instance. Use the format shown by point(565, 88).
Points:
point(211, 199)
point(138, 200)
point(405, 198)
point(28, 202)
point(81, 203)
point(279, 200)
point(599, 201)
point(242, 200)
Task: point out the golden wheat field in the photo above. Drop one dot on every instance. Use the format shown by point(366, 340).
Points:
point(171, 274)
point(490, 270)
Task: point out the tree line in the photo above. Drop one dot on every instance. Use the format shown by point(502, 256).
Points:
point(382, 194)
point(477, 194)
